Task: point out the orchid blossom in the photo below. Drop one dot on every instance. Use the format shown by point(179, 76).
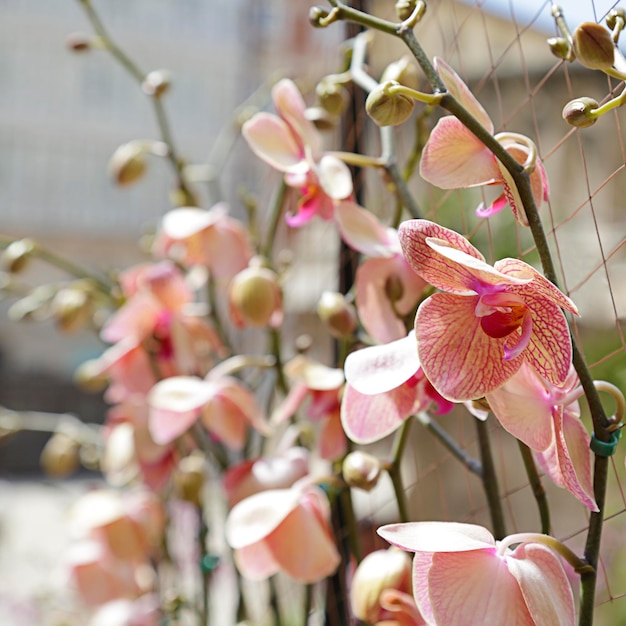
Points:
point(473, 338)
point(224, 405)
point(463, 576)
point(212, 239)
point(455, 158)
point(322, 385)
point(283, 530)
point(546, 417)
point(386, 288)
point(290, 143)
point(385, 386)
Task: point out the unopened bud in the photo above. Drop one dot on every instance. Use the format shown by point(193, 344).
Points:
point(34, 306)
point(337, 313)
point(315, 15)
point(255, 297)
point(16, 255)
point(361, 470)
point(128, 163)
point(593, 46)
point(71, 307)
point(78, 42)
point(405, 8)
point(89, 376)
point(156, 83)
point(403, 71)
point(579, 112)
point(189, 478)
point(388, 109)
point(60, 456)
point(333, 97)
point(559, 47)
point(616, 17)
point(394, 289)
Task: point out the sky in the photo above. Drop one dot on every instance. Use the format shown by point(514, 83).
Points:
point(576, 11)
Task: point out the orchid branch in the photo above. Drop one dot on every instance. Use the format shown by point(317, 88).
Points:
point(539, 492)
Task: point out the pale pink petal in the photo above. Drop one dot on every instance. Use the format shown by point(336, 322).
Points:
point(228, 249)
point(165, 426)
point(271, 139)
point(363, 232)
point(543, 583)
point(495, 207)
point(180, 394)
point(291, 107)
point(308, 208)
point(256, 561)
point(461, 92)
point(454, 158)
point(332, 442)
point(377, 369)
point(254, 518)
point(422, 562)
point(367, 418)
point(378, 316)
point(524, 408)
point(303, 545)
point(335, 177)
point(223, 419)
point(290, 405)
point(460, 360)
point(444, 537)
point(470, 588)
point(315, 375)
point(136, 318)
point(184, 222)
point(402, 607)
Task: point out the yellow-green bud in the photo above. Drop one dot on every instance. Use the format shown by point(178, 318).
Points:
point(559, 47)
point(255, 296)
point(579, 112)
point(189, 478)
point(60, 455)
point(387, 109)
point(16, 255)
point(403, 71)
point(405, 8)
point(616, 17)
point(72, 306)
point(333, 97)
point(337, 313)
point(593, 46)
point(128, 163)
point(156, 83)
point(88, 376)
point(361, 470)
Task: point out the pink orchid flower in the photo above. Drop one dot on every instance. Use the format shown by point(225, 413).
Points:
point(321, 385)
point(546, 418)
point(385, 386)
point(283, 530)
point(455, 158)
point(290, 143)
point(473, 338)
point(211, 239)
point(381, 590)
point(223, 404)
point(143, 611)
point(463, 576)
point(386, 288)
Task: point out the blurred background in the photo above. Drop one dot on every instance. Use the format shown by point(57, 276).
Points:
point(63, 114)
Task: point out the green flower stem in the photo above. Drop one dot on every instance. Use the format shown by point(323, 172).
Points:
point(215, 314)
point(276, 211)
point(133, 69)
point(614, 103)
point(278, 363)
point(394, 470)
point(537, 487)
point(472, 464)
point(490, 480)
point(278, 621)
point(205, 575)
point(309, 589)
point(351, 525)
point(432, 99)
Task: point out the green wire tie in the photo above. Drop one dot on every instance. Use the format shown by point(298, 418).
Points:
point(209, 563)
point(605, 448)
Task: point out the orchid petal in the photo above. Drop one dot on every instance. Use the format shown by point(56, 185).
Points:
point(184, 222)
point(495, 207)
point(368, 418)
point(454, 158)
point(459, 359)
point(543, 583)
point(228, 249)
point(431, 537)
point(422, 562)
point(332, 443)
point(461, 92)
point(165, 426)
point(256, 561)
point(377, 369)
point(136, 318)
point(524, 408)
point(180, 394)
point(402, 608)
point(335, 177)
point(271, 139)
point(363, 232)
point(308, 208)
point(469, 588)
point(316, 376)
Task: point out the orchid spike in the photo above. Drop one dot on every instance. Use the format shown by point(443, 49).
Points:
point(454, 158)
point(473, 338)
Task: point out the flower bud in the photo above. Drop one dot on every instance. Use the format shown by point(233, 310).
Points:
point(559, 47)
point(333, 97)
point(255, 297)
point(387, 109)
point(378, 571)
point(156, 83)
point(593, 46)
point(405, 8)
point(616, 17)
point(89, 376)
point(337, 313)
point(361, 470)
point(16, 255)
point(189, 478)
point(403, 71)
point(34, 306)
point(78, 42)
point(60, 455)
point(394, 289)
point(579, 112)
point(128, 163)
point(72, 306)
